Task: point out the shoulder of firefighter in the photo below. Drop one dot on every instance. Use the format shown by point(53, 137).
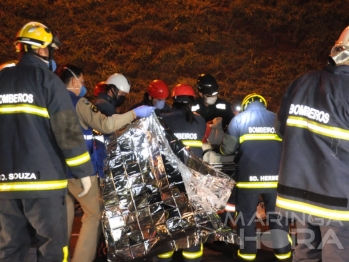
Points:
point(52, 132)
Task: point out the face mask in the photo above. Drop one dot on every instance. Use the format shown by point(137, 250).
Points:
point(51, 65)
point(119, 100)
point(160, 104)
point(83, 91)
point(210, 100)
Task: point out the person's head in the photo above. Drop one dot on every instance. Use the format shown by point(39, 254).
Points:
point(117, 86)
point(183, 96)
point(252, 98)
point(157, 93)
point(340, 51)
point(73, 78)
point(208, 88)
point(37, 39)
point(100, 87)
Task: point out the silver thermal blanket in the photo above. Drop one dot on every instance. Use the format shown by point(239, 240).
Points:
point(153, 201)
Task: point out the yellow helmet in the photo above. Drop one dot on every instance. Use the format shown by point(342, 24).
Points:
point(252, 98)
point(35, 35)
point(8, 64)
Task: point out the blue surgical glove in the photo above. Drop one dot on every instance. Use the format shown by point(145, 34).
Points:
point(144, 111)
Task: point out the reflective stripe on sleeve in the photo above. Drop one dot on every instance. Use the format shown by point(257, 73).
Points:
point(247, 256)
point(312, 209)
point(259, 137)
point(88, 137)
point(283, 256)
point(257, 184)
point(166, 255)
point(24, 108)
point(192, 143)
point(75, 161)
point(317, 128)
point(193, 255)
point(65, 254)
point(34, 185)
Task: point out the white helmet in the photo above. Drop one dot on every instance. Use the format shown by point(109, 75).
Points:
point(340, 51)
point(120, 81)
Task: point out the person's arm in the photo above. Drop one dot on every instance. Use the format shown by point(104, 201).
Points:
point(67, 132)
point(230, 140)
point(90, 117)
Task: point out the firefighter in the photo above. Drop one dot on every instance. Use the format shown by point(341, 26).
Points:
point(186, 125)
point(40, 137)
point(111, 94)
point(189, 128)
point(314, 171)
point(209, 105)
point(156, 96)
point(90, 118)
point(251, 133)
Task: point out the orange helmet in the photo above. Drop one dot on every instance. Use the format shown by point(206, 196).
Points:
point(158, 89)
point(100, 87)
point(182, 90)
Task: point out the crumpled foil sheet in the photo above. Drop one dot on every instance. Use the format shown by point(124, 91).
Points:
point(153, 202)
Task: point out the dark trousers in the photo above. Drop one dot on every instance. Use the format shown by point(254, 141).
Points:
point(247, 201)
point(48, 218)
point(323, 243)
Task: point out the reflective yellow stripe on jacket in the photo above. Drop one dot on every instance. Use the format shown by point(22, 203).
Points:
point(246, 137)
point(33, 185)
point(193, 255)
point(317, 128)
point(257, 184)
point(312, 209)
point(78, 160)
point(24, 108)
point(192, 143)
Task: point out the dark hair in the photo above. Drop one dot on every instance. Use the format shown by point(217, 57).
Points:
point(66, 72)
point(186, 107)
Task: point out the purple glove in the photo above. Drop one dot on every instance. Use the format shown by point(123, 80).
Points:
point(144, 111)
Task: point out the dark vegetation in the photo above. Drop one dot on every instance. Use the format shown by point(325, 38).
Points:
point(249, 46)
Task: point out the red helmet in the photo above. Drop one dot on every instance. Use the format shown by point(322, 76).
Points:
point(99, 88)
point(183, 90)
point(158, 89)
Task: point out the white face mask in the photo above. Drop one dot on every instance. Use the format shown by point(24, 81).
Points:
point(210, 100)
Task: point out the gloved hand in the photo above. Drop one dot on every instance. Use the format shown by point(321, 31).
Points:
point(144, 111)
point(86, 184)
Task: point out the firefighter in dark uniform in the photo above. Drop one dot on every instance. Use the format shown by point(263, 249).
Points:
point(189, 128)
point(89, 117)
point(186, 125)
point(209, 105)
point(314, 172)
point(39, 137)
point(252, 134)
point(156, 96)
point(111, 94)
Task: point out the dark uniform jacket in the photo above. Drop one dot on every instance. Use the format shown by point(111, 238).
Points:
point(221, 108)
point(190, 134)
point(39, 133)
point(146, 101)
point(259, 148)
point(314, 120)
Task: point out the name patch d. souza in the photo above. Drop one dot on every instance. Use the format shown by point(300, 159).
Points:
point(19, 176)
